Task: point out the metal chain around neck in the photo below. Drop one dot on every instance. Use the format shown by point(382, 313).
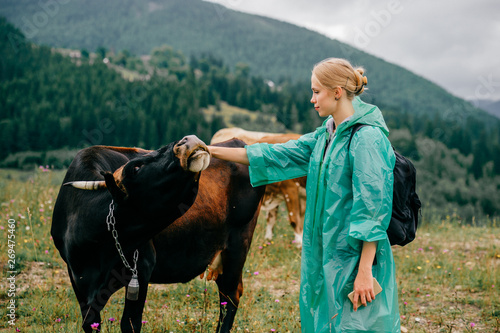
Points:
point(110, 221)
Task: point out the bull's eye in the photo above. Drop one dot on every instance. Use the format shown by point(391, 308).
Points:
point(137, 168)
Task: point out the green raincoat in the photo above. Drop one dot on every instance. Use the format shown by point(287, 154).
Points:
point(349, 200)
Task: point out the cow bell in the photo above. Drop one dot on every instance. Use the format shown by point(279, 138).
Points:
point(133, 289)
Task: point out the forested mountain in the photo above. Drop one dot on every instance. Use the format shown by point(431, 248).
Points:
point(272, 49)
point(47, 102)
point(52, 101)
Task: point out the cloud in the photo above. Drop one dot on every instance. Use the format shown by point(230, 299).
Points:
point(453, 43)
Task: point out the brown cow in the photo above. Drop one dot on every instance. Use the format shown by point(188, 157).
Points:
point(291, 191)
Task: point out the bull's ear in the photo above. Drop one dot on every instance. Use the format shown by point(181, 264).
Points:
point(116, 192)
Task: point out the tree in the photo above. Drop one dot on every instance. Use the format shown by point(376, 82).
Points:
point(101, 52)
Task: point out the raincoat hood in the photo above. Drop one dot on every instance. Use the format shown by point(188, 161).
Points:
point(364, 113)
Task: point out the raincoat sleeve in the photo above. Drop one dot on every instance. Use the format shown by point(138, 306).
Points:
point(372, 160)
point(270, 163)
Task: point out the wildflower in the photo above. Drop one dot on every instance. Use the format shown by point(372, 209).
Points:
point(256, 273)
point(95, 326)
point(418, 267)
point(277, 300)
point(223, 303)
point(405, 303)
point(111, 319)
point(46, 251)
point(58, 320)
point(144, 321)
point(18, 330)
point(472, 325)
point(273, 330)
point(187, 295)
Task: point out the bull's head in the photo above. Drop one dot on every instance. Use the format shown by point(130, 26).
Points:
point(163, 176)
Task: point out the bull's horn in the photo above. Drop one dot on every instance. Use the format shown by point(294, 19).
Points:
point(87, 185)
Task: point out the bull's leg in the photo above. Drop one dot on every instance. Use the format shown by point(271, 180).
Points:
point(132, 313)
point(90, 310)
point(92, 305)
point(230, 282)
point(91, 317)
point(87, 314)
point(230, 291)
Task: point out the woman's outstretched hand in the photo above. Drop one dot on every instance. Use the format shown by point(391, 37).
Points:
point(238, 155)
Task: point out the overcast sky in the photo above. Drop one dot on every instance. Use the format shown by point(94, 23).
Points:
point(454, 43)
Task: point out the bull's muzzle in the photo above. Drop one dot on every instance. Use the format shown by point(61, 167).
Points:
point(192, 153)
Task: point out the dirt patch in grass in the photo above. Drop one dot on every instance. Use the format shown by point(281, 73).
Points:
point(41, 275)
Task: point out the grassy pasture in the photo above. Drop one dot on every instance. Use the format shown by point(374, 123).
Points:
point(448, 277)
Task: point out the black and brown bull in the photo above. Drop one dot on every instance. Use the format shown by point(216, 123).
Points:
point(177, 221)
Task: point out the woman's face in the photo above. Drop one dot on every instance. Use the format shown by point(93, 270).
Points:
point(322, 98)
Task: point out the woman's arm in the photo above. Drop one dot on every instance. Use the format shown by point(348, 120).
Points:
point(363, 285)
point(238, 155)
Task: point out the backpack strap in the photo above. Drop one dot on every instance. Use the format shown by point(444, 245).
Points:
point(355, 128)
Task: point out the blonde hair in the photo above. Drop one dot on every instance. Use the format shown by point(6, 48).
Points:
point(337, 72)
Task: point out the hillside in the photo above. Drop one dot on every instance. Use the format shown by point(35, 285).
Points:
point(52, 104)
point(273, 49)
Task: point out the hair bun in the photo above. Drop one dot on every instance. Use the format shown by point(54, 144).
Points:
point(365, 80)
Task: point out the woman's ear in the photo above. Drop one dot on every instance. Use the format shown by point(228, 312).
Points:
point(337, 93)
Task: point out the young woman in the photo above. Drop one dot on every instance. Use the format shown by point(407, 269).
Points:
point(349, 205)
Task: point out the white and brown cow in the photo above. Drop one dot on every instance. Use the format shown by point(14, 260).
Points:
point(292, 191)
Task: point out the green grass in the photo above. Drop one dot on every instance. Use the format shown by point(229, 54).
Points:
point(448, 277)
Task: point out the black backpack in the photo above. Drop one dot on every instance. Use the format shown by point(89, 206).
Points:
point(406, 204)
